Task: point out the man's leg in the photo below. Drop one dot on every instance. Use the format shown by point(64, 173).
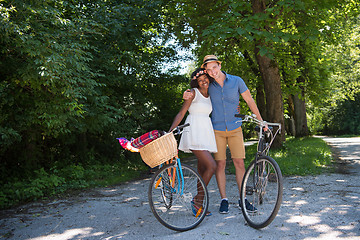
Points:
point(240, 171)
point(237, 149)
point(221, 177)
point(220, 157)
point(221, 182)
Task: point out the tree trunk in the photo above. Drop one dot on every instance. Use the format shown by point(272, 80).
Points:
point(299, 102)
point(301, 128)
point(290, 123)
point(269, 70)
point(260, 100)
point(274, 103)
point(260, 96)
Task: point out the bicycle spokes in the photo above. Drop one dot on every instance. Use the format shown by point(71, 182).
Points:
point(171, 198)
point(261, 192)
point(261, 179)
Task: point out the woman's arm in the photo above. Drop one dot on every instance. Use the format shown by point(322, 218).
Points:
point(179, 117)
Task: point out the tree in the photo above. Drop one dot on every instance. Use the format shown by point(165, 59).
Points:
point(276, 32)
point(75, 75)
point(269, 69)
point(338, 113)
point(241, 26)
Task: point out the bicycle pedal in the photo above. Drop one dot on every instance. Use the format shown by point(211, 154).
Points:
point(249, 190)
point(272, 177)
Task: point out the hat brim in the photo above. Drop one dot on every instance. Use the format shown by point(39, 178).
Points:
point(203, 65)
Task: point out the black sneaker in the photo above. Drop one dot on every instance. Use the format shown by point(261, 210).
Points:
point(249, 207)
point(224, 206)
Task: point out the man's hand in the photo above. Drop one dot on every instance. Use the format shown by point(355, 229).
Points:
point(266, 128)
point(188, 94)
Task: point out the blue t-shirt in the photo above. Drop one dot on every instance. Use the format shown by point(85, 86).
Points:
point(225, 101)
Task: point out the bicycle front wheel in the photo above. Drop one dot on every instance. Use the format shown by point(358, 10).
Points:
point(178, 197)
point(261, 192)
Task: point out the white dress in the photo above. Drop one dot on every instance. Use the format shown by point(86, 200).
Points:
point(200, 134)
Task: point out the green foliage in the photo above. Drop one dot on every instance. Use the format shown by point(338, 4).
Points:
point(58, 180)
point(344, 117)
point(338, 113)
point(297, 35)
point(75, 75)
point(43, 184)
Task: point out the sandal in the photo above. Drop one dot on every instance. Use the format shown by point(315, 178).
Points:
point(197, 211)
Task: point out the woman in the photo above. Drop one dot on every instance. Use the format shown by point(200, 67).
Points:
point(199, 137)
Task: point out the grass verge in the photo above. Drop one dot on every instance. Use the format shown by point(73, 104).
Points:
point(298, 156)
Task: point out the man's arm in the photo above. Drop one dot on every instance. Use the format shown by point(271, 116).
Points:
point(252, 105)
point(188, 94)
point(179, 117)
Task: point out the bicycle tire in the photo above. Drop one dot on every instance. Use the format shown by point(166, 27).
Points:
point(262, 186)
point(170, 206)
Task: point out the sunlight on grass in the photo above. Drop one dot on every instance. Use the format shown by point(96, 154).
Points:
point(298, 156)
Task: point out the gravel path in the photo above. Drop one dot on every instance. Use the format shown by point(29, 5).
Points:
point(314, 207)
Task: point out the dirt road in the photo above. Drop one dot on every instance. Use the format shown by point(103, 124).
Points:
point(314, 207)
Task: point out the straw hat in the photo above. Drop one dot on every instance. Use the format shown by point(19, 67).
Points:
point(210, 58)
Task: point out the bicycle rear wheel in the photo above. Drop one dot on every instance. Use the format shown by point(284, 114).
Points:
point(262, 186)
point(171, 198)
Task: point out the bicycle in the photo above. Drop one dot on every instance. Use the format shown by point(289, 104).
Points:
point(262, 184)
point(174, 186)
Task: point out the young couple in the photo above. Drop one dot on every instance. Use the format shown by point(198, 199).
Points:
point(216, 92)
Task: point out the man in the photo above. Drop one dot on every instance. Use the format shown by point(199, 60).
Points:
point(225, 92)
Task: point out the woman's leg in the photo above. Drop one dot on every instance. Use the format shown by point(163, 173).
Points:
point(206, 164)
point(206, 168)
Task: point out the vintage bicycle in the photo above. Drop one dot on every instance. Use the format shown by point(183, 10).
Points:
point(262, 184)
point(174, 186)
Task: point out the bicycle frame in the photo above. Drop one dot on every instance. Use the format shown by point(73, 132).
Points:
point(179, 174)
point(262, 133)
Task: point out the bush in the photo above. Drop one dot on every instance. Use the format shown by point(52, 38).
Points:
point(341, 118)
point(344, 118)
point(44, 184)
point(58, 180)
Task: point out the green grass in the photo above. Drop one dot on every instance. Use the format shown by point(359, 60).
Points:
point(298, 156)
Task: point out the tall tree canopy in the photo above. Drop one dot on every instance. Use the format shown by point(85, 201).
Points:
point(77, 74)
point(263, 41)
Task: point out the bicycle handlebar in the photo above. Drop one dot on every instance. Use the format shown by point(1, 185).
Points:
point(252, 118)
point(178, 129)
point(262, 124)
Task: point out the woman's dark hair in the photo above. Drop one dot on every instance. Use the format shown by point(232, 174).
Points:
point(197, 73)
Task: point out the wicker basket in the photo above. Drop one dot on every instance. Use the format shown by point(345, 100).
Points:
point(159, 150)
